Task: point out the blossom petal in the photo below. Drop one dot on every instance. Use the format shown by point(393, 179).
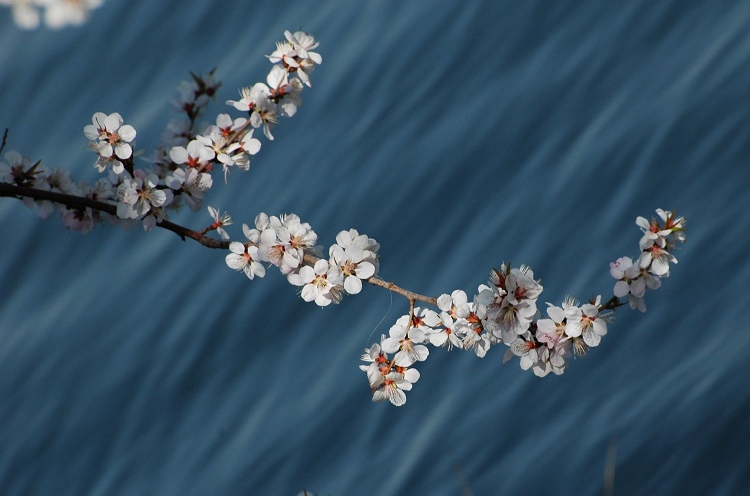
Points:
point(353, 285)
point(127, 133)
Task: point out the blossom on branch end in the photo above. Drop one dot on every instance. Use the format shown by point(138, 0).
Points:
point(111, 140)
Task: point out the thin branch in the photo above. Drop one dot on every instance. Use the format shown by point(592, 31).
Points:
point(611, 304)
point(403, 292)
point(5, 140)
point(73, 201)
point(375, 281)
point(80, 202)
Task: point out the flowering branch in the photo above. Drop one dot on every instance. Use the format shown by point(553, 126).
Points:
point(502, 312)
point(80, 203)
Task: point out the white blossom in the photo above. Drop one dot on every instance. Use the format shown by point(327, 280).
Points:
point(110, 139)
point(137, 196)
point(196, 154)
point(245, 258)
point(391, 387)
point(406, 344)
point(221, 220)
point(353, 264)
point(320, 283)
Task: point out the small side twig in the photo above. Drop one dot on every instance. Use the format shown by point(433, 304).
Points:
point(5, 140)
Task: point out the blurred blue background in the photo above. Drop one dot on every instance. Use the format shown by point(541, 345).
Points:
point(459, 135)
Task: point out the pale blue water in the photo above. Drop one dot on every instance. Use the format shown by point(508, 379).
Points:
point(457, 134)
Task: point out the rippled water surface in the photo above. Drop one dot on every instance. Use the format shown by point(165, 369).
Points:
point(459, 135)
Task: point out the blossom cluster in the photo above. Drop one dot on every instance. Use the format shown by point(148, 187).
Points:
point(111, 140)
point(290, 244)
point(180, 170)
point(28, 14)
point(501, 312)
point(646, 272)
point(504, 311)
point(280, 97)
